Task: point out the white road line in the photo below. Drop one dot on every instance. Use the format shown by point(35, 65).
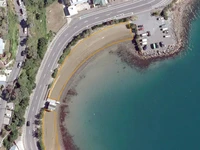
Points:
point(36, 97)
point(48, 65)
point(44, 75)
point(85, 21)
point(29, 132)
point(96, 17)
point(33, 108)
point(108, 15)
point(136, 6)
point(75, 27)
point(53, 54)
point(66, 34)
point(59, 43)
point(40, 86)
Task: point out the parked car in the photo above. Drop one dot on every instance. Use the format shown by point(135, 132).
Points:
point(23, 53)
point(144, 34)
point(156, 44)
point(166, 31)
point(148, 33)
point(25, 30)
point(160, 18)
point(140, 26)
point(162, 25)
point(141, 29)
point(21, 11)
point(161, 44)
point(20, 64)
point(153, 46)
point(28, 123)
point(167, 36)
point(145, 47)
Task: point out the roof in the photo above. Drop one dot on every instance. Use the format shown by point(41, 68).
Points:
point(2, 3)
point(2, 44)
point(8, 113)
point(101, 2)
point(6, 121)
point(2, 79)
point(73, 2)
point(10, 106)
point(72, 10)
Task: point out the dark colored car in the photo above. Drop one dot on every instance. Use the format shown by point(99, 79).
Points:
point(149, 33)
point(156, 45)
point(140, 26)
point(145, 47)
point(23, 53)
point(28, 123)
point(21, 12)
point(161, 44)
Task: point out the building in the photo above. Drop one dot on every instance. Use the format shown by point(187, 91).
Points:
point(6, 121)
point(8, 113)
point(2, 44)
point(10, 106)
point(72, 10)
point(100, 2)
point(51, 104)
point(74, 2)
point(3, 3)
point(2, 80)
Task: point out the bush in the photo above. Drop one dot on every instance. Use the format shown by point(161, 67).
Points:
point(54, 73)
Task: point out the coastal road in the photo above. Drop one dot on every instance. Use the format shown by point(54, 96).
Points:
point(15, 70)
point(64, 36)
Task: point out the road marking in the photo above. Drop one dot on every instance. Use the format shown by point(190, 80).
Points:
point(85, 21)
point(45, 75)
point(53, 54)
point(108, 15)
point(59, 43)
point(66, 34)
point(29, 132)
point(33, 108)
point(36, 97)
point(96, 18)
point(75, 27)
point(40, 86)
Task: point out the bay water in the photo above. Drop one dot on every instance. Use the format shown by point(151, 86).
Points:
point(121, 108)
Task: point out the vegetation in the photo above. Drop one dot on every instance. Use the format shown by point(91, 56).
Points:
point(86, 33)
point(12, 30)
point(36, 46)
point(164, 12)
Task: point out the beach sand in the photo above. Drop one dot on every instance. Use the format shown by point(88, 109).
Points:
point(86, 48)
point(99, 40)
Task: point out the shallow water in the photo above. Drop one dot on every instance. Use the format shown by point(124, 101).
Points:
point(119, 108)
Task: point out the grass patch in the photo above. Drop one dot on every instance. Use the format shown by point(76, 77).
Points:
point(13, 30)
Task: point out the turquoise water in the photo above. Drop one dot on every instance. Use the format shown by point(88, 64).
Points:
point(119, 108)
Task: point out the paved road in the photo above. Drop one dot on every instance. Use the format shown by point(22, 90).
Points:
point(55, 49)
point(15, 71)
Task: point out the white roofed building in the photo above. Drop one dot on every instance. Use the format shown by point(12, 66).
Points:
point(3, 3)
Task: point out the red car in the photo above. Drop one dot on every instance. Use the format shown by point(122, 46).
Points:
point(141, 29)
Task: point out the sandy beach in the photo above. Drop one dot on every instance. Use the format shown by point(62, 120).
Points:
point(79, 55)
point(88, 48)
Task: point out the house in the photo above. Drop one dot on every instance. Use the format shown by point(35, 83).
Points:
point(100, 2)
point(8, 113)
point(3, 3)
point(6, 121)
point(2, 80)
point(2, 44)
point(72, 10)
point(74, 2)
point(51, 104)
point(10, 106)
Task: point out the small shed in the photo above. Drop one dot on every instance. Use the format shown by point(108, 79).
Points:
point(10, 106)
point(6, 121)
point(8, 113)
point(2, 44)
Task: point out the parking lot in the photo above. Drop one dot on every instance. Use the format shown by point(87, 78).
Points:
point(158, 42)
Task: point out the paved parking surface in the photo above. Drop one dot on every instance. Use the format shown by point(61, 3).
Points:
point(151, 24)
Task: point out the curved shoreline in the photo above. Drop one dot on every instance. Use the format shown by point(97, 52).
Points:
point(62, 113)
